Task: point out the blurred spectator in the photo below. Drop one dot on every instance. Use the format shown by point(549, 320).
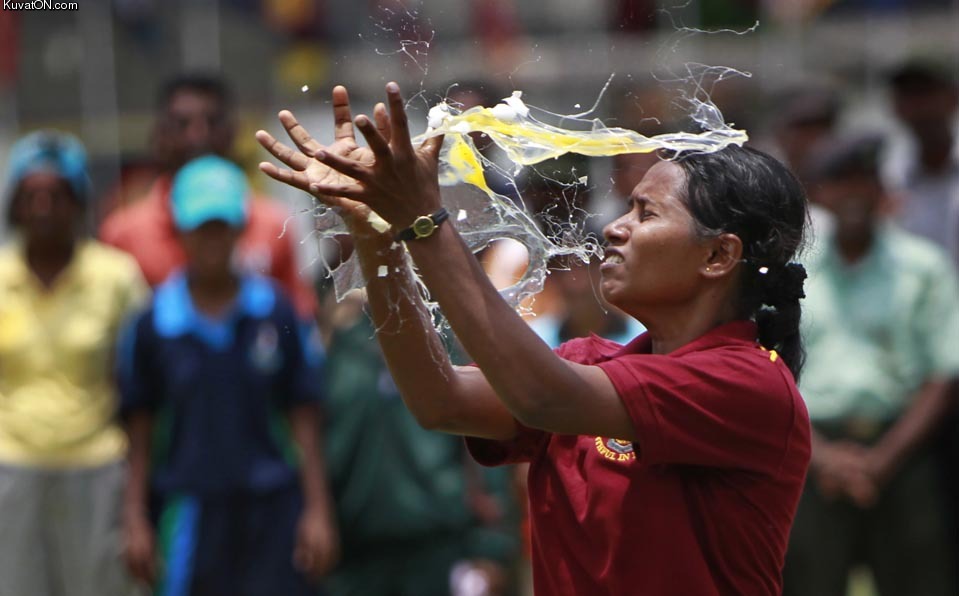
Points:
point(881, 319)
point(497, 27)
point(220, 390)
point(925, 169)
point(804, 114)
point(62, 300)
point(647, 108)
point(584, 311)
point(417, 517)
point(633, 15)
point(728, 13)
point(196, 117)
point(464, 95)
point(554, 199)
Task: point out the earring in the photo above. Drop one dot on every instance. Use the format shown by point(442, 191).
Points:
point(708, 269)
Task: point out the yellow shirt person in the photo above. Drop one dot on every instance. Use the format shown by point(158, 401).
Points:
point(63, 301)
point(57, 395)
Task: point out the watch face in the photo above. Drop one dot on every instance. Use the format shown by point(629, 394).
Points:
point(423, 226)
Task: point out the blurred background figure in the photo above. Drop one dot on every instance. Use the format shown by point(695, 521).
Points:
point(418, 518)
point(924, 168)
point(220, 389)
point(804, 114)
point(63, 298)
point(195, 116)
point(583, 310)
point(881, 318)
point(646, 108)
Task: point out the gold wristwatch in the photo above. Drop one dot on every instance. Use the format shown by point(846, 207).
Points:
point(423, 226)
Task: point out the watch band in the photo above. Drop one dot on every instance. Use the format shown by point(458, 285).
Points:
point(423, 226)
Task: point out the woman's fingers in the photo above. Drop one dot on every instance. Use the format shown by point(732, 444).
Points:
point(382, 120)
point(299, 135)
point(378, 144)
point(348, 191)
point(337, 203)
point(344, 165)
point(400, 136)
point(342, 118)
point(294, 159)
point(298, 179)
point(432, 146)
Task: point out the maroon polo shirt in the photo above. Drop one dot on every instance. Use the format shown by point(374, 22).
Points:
point(702, 504)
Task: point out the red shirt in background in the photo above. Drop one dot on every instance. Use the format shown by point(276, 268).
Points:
point(701, 505)
point(145, 229)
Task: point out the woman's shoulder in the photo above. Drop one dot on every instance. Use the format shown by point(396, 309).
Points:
point(728, 359)
point(588, 350)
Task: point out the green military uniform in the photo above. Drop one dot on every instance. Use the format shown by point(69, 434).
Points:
point(400, 490)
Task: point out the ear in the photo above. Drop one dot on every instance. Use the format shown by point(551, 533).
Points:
point(723, 254)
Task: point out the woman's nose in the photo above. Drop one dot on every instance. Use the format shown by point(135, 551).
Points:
point(615, 232)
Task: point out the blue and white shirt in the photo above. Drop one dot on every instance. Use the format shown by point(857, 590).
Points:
point(220, 388)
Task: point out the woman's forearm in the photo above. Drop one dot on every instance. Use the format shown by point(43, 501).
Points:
point(440, 396)
point(539, 388)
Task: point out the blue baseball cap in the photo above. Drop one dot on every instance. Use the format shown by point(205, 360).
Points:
point(209, 188)
point(50, 151)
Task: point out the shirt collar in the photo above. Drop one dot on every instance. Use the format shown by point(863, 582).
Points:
point(741, 331)
point(25, 277)
point(176, 315)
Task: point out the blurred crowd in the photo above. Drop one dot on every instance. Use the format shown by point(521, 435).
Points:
point(186, 409)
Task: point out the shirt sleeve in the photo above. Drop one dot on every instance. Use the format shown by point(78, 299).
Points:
point(136, 377)
point(730, 410)
point(938, 322)
point(134, 293)
point(302, 377)
point(528, 444)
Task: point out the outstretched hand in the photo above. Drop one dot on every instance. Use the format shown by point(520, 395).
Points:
point(304, 171)
point(390, 176)
point(401, 182)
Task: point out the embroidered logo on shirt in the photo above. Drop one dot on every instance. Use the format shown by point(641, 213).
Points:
point(264, 353)
point(615, 449)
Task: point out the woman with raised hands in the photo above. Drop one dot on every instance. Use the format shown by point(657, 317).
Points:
point(670, 465)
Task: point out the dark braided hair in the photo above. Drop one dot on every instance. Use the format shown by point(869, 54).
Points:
point(746, 192)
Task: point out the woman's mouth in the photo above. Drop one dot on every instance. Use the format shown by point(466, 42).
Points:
point(612, 259)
